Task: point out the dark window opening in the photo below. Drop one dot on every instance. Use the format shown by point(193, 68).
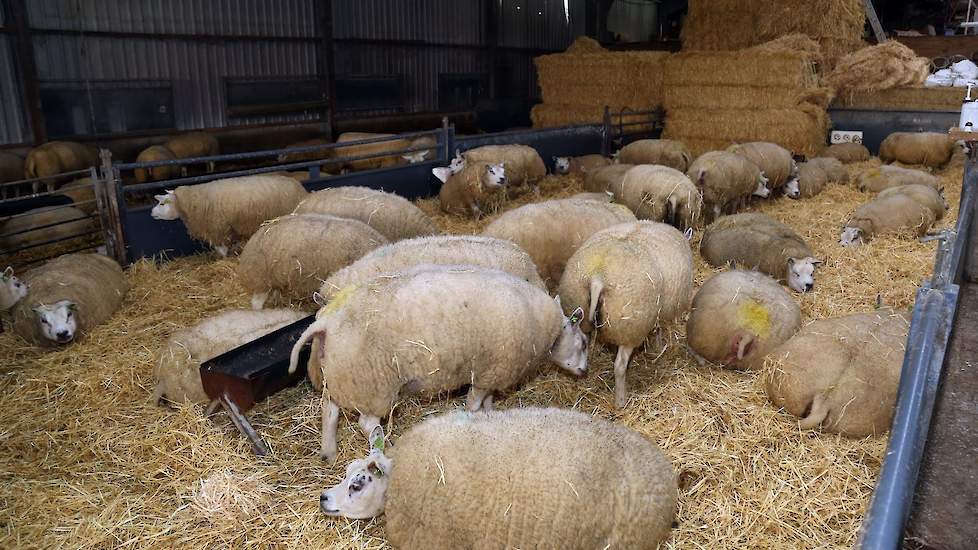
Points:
point(370, 93)
point(459, 92)
point(262, 96)
point(73, 108)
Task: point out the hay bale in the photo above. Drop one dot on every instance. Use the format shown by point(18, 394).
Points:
point(747, 68)
point(886, 65)
point(903, 99)
point(801, 132)
point(550, 115)
point(584, 44)
point(598, 79)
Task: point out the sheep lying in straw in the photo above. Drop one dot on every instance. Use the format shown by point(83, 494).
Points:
point(604, 178)
point(661, 194)
point(431, 329)
point(184, 146)
point(289, 256)
point(633, 278)
point(51, 223)
point(577, 166)
point(11, 289)
point(524, 166)
point(738, 317)
point(392, 215)
point(775, 161)
point(932, 149)
point(895, 213)
point(811, 181)
point(474, 187)
point(833, 168)
point(461, 462)
point(847, 152)
point(726, 181)
point(177, 370)
point(841, 373)
point(57, 157)
point(875, 180)
point(370, 149)
point(227, 211)
point(926, 196)
point(551, 231)
point(758, 241)
point(67, 297)
point(664, 152)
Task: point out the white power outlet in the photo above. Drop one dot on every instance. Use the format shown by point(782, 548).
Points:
point(847, 137)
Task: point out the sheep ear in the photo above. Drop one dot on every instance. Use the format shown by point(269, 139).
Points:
point(377, 439)
point(160, 198)
point(7, 273)
point(557, 299)
point(791, 262)
point(940, 190)
point(688, 234)
point(441, 173)
point(577, 316)
point(72, 306)
point(815, 261)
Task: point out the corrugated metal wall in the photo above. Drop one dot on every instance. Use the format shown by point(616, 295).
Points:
point(13, 126)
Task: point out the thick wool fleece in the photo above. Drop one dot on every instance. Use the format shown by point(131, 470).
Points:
point(892, 214)
point(774, 161)
point(664, 152)
point(877, 179)
point(724, 179)
point(660, 194)
point(392, 215)
point(932, 149)
point(753, 241)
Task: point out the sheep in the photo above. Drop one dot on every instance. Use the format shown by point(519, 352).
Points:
point(291, 255)
point(422, 155)
point(520, 478)
point(431, 329)
point(476, 186)
point(663, 152)
point(603, 178)
point(183, 146)
point(932, 149)
point(834, 170)
point(726, 181)
point(388, 146)
point(847, 152)
point(877, 179)
point(841, 373)
point(551, 231)
point(319, 154)
point(226, 211)
point(524, 166)
point(892, 214)
point(661, 194)
point(177, 362)
point(632, 279)
point(67, 297)
point(42, 225)
point(393, 216)
point(600, 197)
point(577, 166)
point(11, 289)
point(156, 153)
point(57, 157)
point(811, 181)
point(924, 195)
point(738, 317)
point(758, 241)
point(775, 161)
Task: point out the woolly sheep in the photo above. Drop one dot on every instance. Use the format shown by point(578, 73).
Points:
point(51, 223)
point(156, 153)
point(841, 373)
point(932, 149)
point(551, 231)
point(11, 289)
point(600, 197)
point(577, 166)
point(477, 186)
point(289, 256)
point(663, 152)
point(811, 180)
point(892, 214)
point(847, 152)
point(524, 166)
point(184, 146)
point(57, 157)
point(226, 211)
point(834, 170)
point(924, 195)
point(67, 297)
point(177, 364)
point(758, 241)
point(392, 215)
point(775, 161)
point(738, 317)
point(319, 154)
point(877, 179)
point(661, 194)
point(632, 278)
point(431, 329)
point(193, 145)
point(726, 181)
point(82, 194)
point(424, 154)
point(569, 465)
point(370, 149)
point(604, 178)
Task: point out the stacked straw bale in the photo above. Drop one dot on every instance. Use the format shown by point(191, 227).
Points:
point(768, 93)
point(880, 67)
point(576, 85)
point(904, 99)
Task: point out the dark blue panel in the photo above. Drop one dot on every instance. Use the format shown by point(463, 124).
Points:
point(146, 237)
point(11, 207)
point(876, 125)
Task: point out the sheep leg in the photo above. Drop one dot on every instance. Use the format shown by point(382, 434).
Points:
point(699, 358)
point(473, 401)
point(331, 417)
point(621, 366)
point(222, 251)
point(368, 424)
point(211, 167)
point(258, 299)
point(487, 403)
point(157, 394)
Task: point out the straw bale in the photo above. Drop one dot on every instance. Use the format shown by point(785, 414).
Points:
point(904, 99)
point(798, 131)
point(796, 42)
point(598, 79)
point(584, 44)
point(755, 69)
point(90, 464)
point(549, 115)
point(391, 215)
point(743, 97)
point(887, 65)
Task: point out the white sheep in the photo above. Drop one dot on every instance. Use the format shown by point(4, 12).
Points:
point(726, 181)
point(577, 166)
point(758, 241)
point(57, 157)
point(877, 179)
point(67, 297)
point(11, 289)
point(604, 178)
point(392, 215)
point(891, 214)
point(43, 225)
point(663, 152)
point(520, 478)
point(468, 188)
point(184, 146)
point(632, 279)
point(811, 179)
point(431, 329)
point(775, 162)
point(932, 149)
point(524, 166)
point(227, 211)
point(927, 196)
point(661, 194)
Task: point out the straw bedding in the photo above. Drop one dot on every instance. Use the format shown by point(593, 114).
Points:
point(87, 462)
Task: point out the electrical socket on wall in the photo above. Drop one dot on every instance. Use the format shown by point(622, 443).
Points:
point(847, 137)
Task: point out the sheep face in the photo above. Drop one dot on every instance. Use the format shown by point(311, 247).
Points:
point(457, 163)
point(801, 273)
point(58, 322)
point(415, 157)
point(851, 236)
point(495, 175)
point(792, 189)
point(362, 493)
point(569, 352)
point(11, 289)
point(166, 209)
point(561, 165)
point(943, 198)
point(762, 190)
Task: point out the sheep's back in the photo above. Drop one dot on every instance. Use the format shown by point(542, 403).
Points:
point(773, 160)
point(811, 179)
point(605, 178)
point(193, 144)
point(646, 188)
point(663, 152)
point(754, 241)
point(392, 215)
point(70, 221)
point(923, 194)
point(894, 214)
point(847, 152)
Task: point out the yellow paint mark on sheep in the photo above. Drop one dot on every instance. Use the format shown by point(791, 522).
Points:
point(753, 316)
point(597, 261)
point(340, 300)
